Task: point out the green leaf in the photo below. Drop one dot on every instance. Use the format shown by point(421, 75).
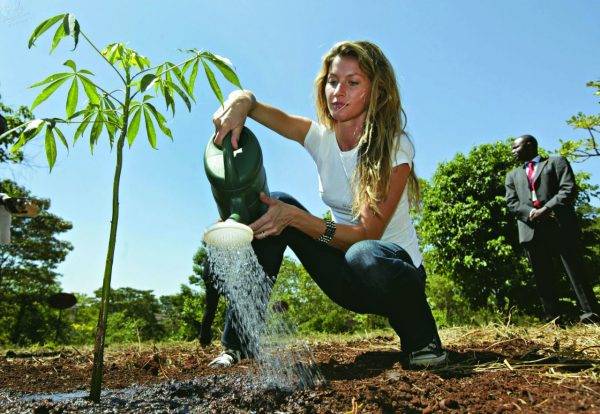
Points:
point(72, 97)
point(62, 138)
point(82, 127)
point(110, 51)
point(16, 147)
point(96, 130)
point(182, 94)
point(32, 128)
point(49, 90)
point(147, 81)
point(110, 129)
point(166, 91)
point(50, 147)
point(71, 64)
point(71, 27)
point(87, 72)
point(90, 90)
point(187, 65)
point(224, 65)
point(160, 120)
point(193, 75)
point(42, 27)
point(134, 127)
point(52, 78)
point(58, 36)
point(141, 61)
point(214, 85)
point(177, 72)
point(150, 131)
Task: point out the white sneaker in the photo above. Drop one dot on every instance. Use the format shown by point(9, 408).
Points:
point(226, 359)
point(430, 356)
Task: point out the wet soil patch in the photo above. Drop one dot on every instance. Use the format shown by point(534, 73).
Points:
point(362, 376)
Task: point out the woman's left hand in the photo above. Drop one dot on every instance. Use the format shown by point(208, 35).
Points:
point(277, 218)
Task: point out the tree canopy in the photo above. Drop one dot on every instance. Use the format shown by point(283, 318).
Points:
point(28, 270)
point(470, 237)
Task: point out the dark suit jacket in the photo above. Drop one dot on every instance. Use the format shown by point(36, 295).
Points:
point(555, 189)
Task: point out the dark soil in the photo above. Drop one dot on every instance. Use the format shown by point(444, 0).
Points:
point(366, 376)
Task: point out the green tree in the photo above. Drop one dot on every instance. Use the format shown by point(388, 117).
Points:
point(28, 272)
point(580, 150)
point(119, 114)
point(140, 307)
point(13, 118)
point(470, 237)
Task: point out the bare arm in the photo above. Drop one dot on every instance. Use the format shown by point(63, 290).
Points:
point(369, 227)
point(231, 116)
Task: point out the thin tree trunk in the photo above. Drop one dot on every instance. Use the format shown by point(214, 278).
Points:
point(96, 384)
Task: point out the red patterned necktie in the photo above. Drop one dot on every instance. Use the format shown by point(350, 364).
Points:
point(530, 170)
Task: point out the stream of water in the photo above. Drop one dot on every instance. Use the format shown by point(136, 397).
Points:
point(283, 359)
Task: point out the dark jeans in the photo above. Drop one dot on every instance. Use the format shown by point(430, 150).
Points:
point(371, 277)
point(548, 244)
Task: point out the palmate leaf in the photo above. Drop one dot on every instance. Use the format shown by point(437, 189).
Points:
point(49, 90)
point(182, 94)
point(147, 81)
point(72, 98)
point(161, 85)
point(70, 63)
point(32, 128)
point(134, 127)
point(52, 78)
point(141, 62)
point(160, 120)
point(193, 75)
point(177, 72)
point(58, 36)
point(50, 146)
point(90, 89)
point(187, 65)
point(96, 130)
point(112, 113)
point(110, 52)
point(225, 67)
point(82, 127)
point(61, 137)
point(42, 27)
point(150, 131)
point(212, 81)
point(71, 27)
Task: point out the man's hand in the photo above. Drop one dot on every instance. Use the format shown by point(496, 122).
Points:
point(538, 214)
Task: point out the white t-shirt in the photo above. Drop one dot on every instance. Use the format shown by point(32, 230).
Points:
point(335, 169)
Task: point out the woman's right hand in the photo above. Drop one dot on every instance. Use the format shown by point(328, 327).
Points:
point(231, 116)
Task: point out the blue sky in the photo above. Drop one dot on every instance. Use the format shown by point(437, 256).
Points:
point(470, 72)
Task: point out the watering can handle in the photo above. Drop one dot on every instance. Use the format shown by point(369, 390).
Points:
point(231, 174)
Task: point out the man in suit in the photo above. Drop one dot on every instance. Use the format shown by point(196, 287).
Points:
point(541, 193)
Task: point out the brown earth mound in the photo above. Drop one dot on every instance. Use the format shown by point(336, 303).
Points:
point(492, 369)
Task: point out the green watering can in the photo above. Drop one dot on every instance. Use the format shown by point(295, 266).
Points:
point(236, 178)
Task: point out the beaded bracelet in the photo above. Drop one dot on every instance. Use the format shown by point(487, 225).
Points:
point(329, 232)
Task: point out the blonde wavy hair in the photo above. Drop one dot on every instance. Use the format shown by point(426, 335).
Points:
point(382, 131)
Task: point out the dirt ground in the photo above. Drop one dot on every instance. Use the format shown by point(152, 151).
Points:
point(493, 369)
